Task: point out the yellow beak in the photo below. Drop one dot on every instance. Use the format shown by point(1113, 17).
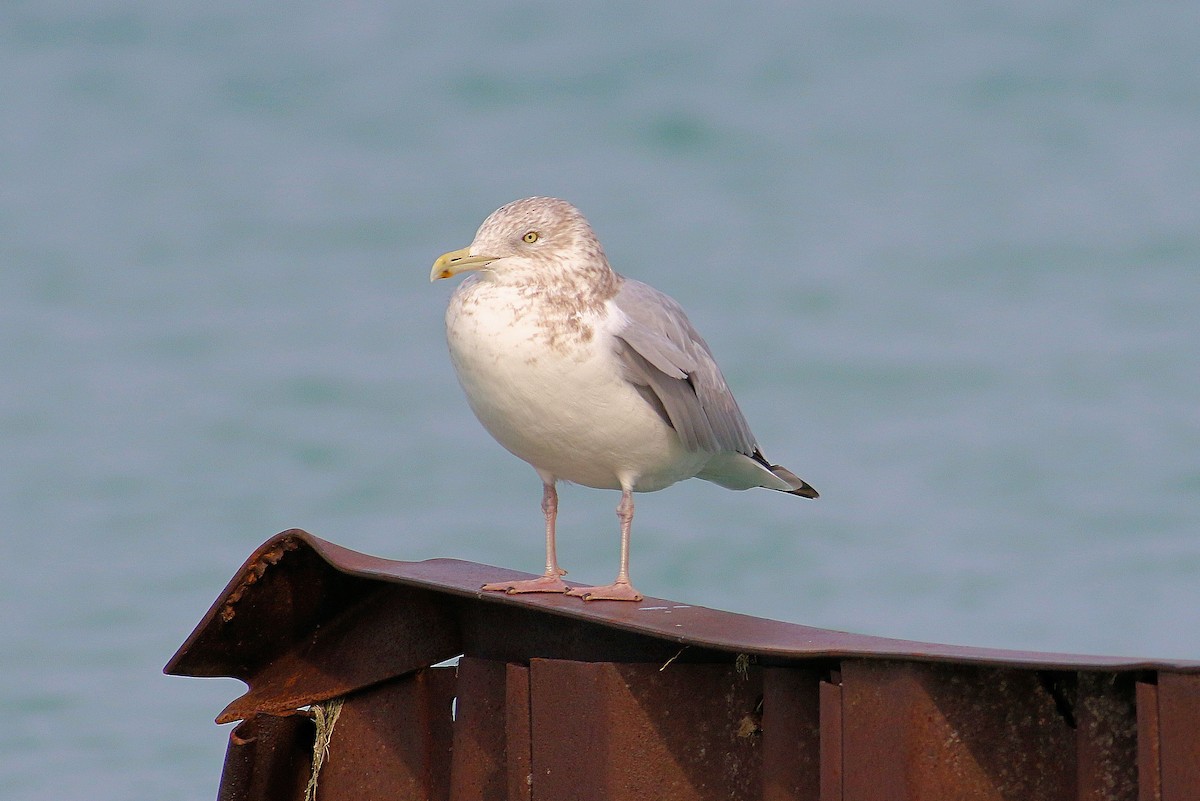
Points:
point(455, 262)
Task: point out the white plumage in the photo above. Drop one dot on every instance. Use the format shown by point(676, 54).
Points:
point(589, 376)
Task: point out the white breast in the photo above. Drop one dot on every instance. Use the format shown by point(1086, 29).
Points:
point(547, 384)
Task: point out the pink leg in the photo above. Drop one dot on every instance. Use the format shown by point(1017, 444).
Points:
point(551, 580)
point(621, 589)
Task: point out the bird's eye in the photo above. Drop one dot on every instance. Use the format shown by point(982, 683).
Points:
point(531, 237)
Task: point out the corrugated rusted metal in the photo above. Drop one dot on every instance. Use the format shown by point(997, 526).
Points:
point(556, 698)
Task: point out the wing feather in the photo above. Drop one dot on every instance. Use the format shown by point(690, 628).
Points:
point(662, 352)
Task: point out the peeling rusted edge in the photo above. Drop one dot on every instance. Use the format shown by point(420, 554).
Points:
point(661, 619)
point(223, 610)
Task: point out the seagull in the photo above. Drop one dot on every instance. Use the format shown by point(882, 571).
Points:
point(590, 377)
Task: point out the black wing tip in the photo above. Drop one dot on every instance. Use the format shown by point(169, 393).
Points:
point(805, 491)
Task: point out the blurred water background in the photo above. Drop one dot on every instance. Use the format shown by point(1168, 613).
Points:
point(948, 255)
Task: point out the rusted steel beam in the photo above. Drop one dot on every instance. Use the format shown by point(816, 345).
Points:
point(1105, 713)
point(518, 730)
point(295, 582)
point(479, 765)
point(1179, 735)
point(1149, 765)
point(629, 732)
point(914, 731)
point(268, 759)
point(392, 631)
point(829, 695)
point(392, 740)
point(557, 698)
point(298, 631)
point(518, 633)
point(791, 734)
point(492, 755)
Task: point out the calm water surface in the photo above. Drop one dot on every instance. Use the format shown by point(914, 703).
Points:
point(948, 256)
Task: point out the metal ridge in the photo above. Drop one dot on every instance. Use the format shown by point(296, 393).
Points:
point(210, 651)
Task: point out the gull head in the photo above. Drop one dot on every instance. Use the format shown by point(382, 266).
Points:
point(528, 239)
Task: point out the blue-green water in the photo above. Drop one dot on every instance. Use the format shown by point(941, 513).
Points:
point(948, 254)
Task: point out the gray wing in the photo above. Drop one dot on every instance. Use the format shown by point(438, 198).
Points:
point(671, 365)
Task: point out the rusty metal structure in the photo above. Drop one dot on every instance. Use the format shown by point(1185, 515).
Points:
point(554, 698)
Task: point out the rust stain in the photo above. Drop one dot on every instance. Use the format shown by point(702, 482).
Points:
point(254, 572)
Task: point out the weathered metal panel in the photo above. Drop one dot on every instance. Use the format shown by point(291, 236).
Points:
point(1106, 738)
point(479, 765)
point(389, 632)
point(1179, 735)
point(299, 630)
point(285, 588)
point(925, 732)
point(791, 734)
point(392, 741)
point(269, 758)
point(518, 726)
point(1149, 767)
point(558, 698)
point(491, 758)
point(520, 632)
point(832, 736)
point(270, 615)
point(629, 732)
